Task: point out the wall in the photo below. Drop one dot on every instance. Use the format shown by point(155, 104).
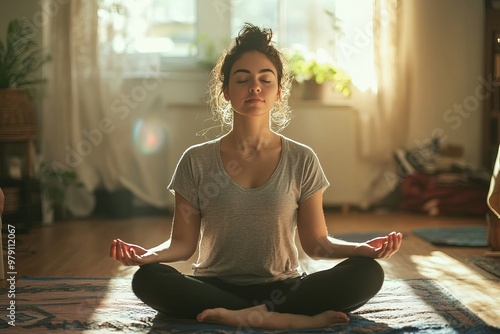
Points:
point(11, 9)
point(447, 72)
point(330, 132)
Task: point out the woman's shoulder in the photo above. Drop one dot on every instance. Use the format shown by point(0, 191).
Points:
point(297, 147)
point(202, 148)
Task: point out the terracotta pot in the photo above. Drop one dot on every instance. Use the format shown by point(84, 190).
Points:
point(313, 91)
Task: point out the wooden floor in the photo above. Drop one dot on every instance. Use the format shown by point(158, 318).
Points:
point(80, 249)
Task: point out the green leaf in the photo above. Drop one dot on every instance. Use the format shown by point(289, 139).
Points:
point(305, 67)
point(20, 56)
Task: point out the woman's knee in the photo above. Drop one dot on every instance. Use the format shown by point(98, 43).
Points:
point(368, 270)
point(368, 280)
point(366, 265)
point(374, 269)
point(141, 278)
point(147, 276)
point(376, 273)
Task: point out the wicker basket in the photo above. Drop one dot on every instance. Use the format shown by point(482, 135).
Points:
point(17, 115)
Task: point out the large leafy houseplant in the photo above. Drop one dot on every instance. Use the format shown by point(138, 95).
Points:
point(20, 56)
point(20, 59)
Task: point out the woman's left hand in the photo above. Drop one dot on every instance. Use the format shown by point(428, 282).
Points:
point(385, 247)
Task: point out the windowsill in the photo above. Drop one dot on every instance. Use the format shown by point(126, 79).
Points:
point(185, 73)
point(294, 104)
point(337, 103)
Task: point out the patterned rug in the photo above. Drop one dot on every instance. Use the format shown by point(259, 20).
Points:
point(462, 236)
point(490, 264)
point(108, 305)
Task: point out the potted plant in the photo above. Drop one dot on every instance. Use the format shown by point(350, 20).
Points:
point(55, 184)
point(314, 70)
point(20, 59)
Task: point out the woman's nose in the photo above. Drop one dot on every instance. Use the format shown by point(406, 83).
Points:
point(255, 89)
point(254, 86)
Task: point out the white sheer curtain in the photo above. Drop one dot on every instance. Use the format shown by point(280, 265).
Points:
point(92, 111)
point(383, 110)
point(73, 106)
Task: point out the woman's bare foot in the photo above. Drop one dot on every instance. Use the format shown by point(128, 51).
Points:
point(259, 317)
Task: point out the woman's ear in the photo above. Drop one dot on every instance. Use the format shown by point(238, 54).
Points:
point(226, 94)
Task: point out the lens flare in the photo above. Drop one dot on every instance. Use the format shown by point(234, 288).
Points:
point(149, 136)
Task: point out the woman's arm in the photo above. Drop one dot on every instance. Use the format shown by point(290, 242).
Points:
point(179, 247)
point(318, 244)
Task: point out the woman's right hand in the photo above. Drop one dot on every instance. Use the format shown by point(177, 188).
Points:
point(130, 254)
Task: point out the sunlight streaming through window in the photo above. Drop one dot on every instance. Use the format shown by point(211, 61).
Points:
point(341, 30)
point(167, 27)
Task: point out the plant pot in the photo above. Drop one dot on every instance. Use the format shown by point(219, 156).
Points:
point(60, 212)
point(47, 210)
point(313, 90)
point(17, 115)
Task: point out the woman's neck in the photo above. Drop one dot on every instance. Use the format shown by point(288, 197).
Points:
point(251, 136)
point(251, 140)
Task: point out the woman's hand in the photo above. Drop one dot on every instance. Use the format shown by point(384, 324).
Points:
point(382, 247)
point(131, 255)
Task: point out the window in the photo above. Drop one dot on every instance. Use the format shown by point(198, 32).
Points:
point(176, 34)
point(340, 29)
point(162, 27)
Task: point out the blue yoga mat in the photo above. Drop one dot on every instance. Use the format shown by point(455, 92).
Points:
point(463, 236)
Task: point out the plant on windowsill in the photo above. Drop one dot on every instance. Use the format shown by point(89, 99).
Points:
point(209, 50)
point(314, 70)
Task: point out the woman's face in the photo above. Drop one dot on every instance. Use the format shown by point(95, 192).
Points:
point(253, 84)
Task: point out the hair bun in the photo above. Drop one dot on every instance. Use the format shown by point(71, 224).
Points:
point(253, 37)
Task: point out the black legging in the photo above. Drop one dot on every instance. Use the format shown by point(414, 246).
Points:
point(345, 287)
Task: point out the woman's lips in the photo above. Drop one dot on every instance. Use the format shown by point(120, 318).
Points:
point(254, 100)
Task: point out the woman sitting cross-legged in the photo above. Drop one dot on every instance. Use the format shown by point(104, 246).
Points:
point(241, 198)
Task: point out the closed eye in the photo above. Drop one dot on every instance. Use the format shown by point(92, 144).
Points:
point(243, 81)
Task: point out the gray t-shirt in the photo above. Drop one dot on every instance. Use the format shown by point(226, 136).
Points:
point(247, 235)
